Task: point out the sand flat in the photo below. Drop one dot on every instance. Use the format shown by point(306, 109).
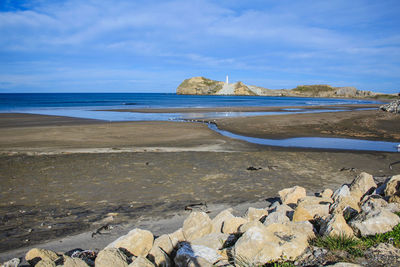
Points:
point(75, 188)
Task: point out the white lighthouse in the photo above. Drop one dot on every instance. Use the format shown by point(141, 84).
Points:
point(227, 80)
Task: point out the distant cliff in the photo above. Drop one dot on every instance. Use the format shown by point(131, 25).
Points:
point(204, 86)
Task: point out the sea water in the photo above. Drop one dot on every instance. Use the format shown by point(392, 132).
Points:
point(91, 106)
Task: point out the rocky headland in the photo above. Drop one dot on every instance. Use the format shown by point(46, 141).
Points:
point(357, 223)
point(204, 86)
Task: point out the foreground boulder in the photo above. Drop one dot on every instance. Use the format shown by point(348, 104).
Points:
point(141, 262)
point(74, 262)
point(219, 220)
point(374, 222)
point(196, 253)
point(36, 254)
point(232, 225)
point(254, 214)
point(336, 225)
point(111, 257)
point(198, 224)
point(291, 195)
point(274, 242)
point(137, 241)
point(363, 184)
point(392, 189)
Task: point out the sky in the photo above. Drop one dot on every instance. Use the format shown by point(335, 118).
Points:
point(152, 46)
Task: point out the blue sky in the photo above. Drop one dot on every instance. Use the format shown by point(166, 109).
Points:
point(151, 46)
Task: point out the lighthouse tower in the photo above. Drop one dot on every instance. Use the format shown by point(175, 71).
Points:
point(227, 80)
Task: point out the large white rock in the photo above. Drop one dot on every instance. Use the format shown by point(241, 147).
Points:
point(164, 242)
point(45, 263)
point(362, 184)
point(214, 240)
point(336, 225)
point(374, 222)
point(291, 195)
point(343, 202)
point(137, 241)
point(305, 228)
point(393, 186)
point(276, 217)
point(74, 262)
point(292, 241)
point(111, 257)
point(243, 228)
point(219, 220)
point(273, 242)
point(159, 257)
point(343, 191)
point(189, 252)
point(232, 225)
point(176, 237)
point(252, 242)
point(198, 224)
point(327, 193)
point(141, 262)
point(254, 214)
point(44, 254)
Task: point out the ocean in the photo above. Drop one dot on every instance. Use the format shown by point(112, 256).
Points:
point(40, 102)
point(90, 106)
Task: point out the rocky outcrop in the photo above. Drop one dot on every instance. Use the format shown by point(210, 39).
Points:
point(204, 86)
point(199, 86)
point(277, 233)
point(393, 107)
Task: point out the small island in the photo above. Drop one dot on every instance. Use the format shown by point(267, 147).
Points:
point(204, 86)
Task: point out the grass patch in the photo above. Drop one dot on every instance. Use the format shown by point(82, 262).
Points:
point(392, 237)
point(356, 247)
point(336, 242)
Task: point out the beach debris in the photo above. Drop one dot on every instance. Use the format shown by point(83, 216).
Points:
point(393, 163)
point(348, 169)
point(87, 256)
point(251, 168)
point(198, 206)
point(101, 230)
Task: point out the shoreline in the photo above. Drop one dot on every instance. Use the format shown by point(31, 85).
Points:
point(242, 109)
point(174, 161)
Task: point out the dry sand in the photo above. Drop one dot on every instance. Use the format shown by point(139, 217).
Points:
point(62, 176)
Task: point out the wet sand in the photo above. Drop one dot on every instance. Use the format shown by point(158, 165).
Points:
point(61, 179)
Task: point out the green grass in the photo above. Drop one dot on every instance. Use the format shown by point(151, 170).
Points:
point(356, 247)
point(336, 242)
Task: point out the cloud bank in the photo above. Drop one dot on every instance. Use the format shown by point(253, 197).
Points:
point(151, 46)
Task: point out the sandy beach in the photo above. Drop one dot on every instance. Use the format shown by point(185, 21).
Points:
point(65, 176)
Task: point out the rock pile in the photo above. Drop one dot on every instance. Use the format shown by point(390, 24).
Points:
point(280, 232)
point(393, 107)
